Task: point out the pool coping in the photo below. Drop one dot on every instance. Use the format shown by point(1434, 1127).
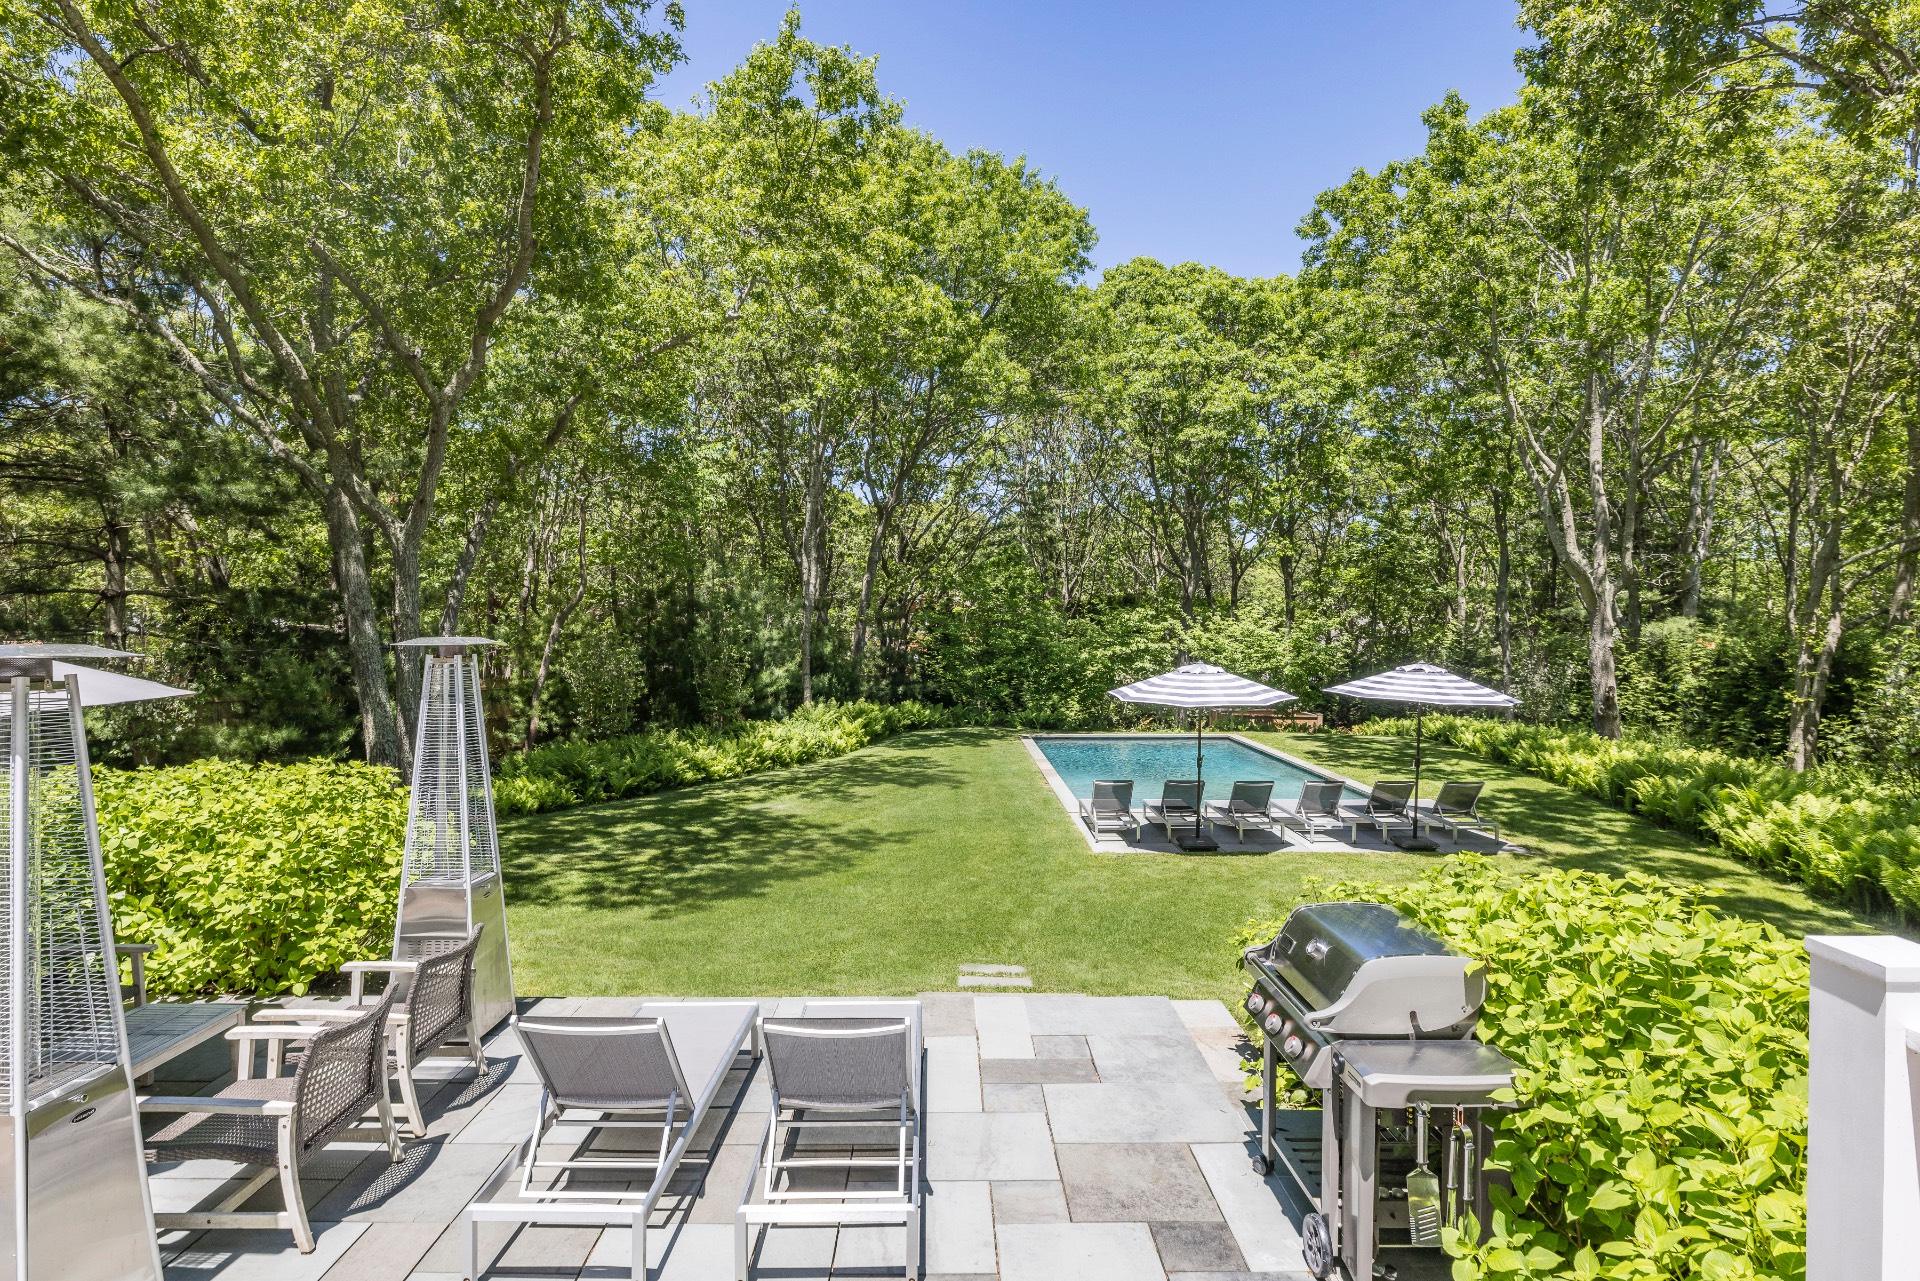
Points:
point(1071, 804)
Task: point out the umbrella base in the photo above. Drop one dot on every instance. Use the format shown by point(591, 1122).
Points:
point(1408, 841)
point(1194, 840)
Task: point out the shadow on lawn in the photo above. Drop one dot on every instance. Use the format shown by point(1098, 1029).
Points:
point(1569, 830)
point(715, 841)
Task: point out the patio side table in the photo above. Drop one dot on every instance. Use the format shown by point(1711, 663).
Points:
point(162, 1030)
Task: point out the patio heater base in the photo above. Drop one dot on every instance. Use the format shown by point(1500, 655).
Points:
point(1197, 841)
point(1422, 844)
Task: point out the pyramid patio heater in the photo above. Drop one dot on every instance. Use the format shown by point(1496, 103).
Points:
point(450, 879)
point(73, 1192)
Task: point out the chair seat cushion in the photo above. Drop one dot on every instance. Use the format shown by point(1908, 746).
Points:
point(208, 1136)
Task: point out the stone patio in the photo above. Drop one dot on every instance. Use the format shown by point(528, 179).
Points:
point(1067, 1136)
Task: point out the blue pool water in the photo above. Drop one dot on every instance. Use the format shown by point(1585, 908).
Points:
point(1151, 759)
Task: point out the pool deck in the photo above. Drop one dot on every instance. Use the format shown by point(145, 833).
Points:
point(1152, 840)
point(1067, 1136)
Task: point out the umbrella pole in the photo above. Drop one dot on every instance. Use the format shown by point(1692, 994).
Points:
point(1419, 710)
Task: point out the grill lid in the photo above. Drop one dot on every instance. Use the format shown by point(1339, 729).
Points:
point(1323, 945)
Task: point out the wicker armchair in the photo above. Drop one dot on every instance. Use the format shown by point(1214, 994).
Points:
point(277, 1120)
point(434, 1005)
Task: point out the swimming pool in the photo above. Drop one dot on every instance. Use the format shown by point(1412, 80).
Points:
point(1151, 759)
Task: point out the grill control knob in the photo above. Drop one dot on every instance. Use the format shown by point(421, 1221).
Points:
point(1273, 1025)
point(1292, 1047)
point(1256, 1004)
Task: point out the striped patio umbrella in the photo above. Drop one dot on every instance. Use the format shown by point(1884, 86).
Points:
point(1200, 687)
point(1424, 686)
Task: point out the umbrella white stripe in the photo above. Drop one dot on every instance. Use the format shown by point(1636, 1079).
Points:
point(1424, 683)
point(1199, 685)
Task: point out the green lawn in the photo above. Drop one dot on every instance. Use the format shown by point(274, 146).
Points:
point(883, 871)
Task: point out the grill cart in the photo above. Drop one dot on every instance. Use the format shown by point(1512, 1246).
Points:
point(1378, 1014)
point(73, 1191)
point(450, 879)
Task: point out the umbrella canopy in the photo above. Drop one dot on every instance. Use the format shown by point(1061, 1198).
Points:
point(1200, 685)
point(1425, 684)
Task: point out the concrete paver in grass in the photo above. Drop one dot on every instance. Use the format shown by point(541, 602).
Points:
point(1101, 1144)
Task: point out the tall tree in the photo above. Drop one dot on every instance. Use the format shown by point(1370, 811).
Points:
point(349, 212)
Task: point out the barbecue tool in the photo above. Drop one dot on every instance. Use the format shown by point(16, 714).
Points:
point(1423, 1190)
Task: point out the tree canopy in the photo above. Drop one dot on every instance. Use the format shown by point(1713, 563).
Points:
point(324, 327)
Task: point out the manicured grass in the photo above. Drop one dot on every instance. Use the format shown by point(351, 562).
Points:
point(883, 871)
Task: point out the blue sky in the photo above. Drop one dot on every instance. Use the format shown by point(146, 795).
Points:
point(1190, 132)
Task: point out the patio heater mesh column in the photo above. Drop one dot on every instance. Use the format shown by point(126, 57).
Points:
point(73, 1190)
point(450, 879)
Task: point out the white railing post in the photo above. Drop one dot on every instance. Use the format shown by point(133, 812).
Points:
point(1863, 1174)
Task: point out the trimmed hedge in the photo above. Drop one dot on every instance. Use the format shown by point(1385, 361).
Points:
point(251, 878)
point(1836, 831)
point(583, 772)
point(1663, 1056)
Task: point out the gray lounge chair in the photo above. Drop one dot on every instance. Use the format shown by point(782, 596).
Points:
point(842, 1065)
point(1318, 808)
point(277, 1121)
point(1457, 808)
point(1388, 805)
point(1249, 805)
point(1179, 805)
point(1110, 808)
point(659, 1069)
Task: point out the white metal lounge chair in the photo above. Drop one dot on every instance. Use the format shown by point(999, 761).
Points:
point(1178, 806)
point(659, 1069)
point(841, 1065)
point(1388, 805)
point(1318, 808)
point(1110, 808)
point(1249, 805)
point(1457, 808)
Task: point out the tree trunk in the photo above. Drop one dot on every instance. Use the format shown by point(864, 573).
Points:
point(1702, 481)
point(1812, 671)
point(1502, 588)
point(379, 725)
point(1601, 633)
point(113, 588)
point(1900, 603)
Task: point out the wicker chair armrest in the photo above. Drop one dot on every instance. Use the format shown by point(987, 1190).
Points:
point(343, 1012)
point(133, 949)
point(279, 1032)
point(165, 1103)
point(380, 967)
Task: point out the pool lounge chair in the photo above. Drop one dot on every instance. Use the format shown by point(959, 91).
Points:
point(1178, 806)
point(842, 1066)
point(658, 1069)
point(1110, 808)
point(1318, 808)
point(1249, 805)
point(1388, 805)
point(1457, 808)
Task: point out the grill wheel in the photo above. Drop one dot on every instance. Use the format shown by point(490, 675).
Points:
point(1316, 1245)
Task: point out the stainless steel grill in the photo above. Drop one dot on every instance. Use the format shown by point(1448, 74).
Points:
point(73, 1193)
point(450, 876)
point(1378, 1015)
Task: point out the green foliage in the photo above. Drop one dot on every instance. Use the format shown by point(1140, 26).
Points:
point(1663, 1061)
point(582, 772)
point(251, 878)
point(1834, 829)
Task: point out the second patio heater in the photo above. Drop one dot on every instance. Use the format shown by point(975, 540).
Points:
point(73, 1190)
point(450, 880)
